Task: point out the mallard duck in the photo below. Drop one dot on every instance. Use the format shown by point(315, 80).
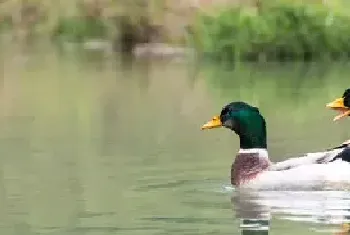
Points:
point(253, 169)
point(341, 105)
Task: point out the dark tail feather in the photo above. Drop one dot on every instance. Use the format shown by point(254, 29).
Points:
point(343, 155)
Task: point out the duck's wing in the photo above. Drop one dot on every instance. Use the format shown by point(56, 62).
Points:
point(334, 175)
point(311, 158)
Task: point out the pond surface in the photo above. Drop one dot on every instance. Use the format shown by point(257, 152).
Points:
point(92, 146)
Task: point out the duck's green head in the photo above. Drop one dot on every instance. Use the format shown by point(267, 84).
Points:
point(245, 120)
point(341, 105)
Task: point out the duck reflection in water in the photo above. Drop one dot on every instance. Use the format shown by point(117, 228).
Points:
point(321, 211)
point(254, 218)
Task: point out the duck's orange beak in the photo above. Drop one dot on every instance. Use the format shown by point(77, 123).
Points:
point(215, 122)
point(338, 105)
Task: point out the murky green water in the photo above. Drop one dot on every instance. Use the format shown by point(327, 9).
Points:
point(91, 147)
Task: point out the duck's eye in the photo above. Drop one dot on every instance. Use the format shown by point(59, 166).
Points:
point(224, 116)
point(229, 123)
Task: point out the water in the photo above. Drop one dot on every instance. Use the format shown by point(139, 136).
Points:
point(91, 147)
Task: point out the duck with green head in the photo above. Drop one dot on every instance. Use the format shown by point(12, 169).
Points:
point(252, 167)
point(341, 105)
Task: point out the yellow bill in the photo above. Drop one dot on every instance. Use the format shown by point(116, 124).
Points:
point(338, 105)
point(213, 123)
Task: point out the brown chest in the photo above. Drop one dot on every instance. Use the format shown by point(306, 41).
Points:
point(247, 166)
